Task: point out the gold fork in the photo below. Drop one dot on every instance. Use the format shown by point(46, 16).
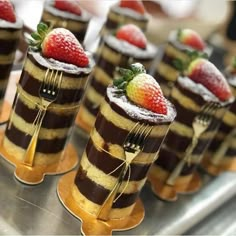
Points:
point(48, 93)
point(200, 124)
point(133, 145)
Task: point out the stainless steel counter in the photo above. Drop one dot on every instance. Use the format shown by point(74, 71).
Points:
point(35, 210)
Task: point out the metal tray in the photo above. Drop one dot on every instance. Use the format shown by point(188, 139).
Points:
point(36, 209)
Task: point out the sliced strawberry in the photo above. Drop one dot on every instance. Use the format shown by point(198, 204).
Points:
point(68, 5)
point(133, 35)
point(204, 72)
point(59, 44)
point(7, 11)
point(135, 5)
point(191, 38)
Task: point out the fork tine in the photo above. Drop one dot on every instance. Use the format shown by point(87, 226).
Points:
point(45, 79)
point(130, 134)
point(144, 136)
point(136, 135)
point(139, 134)
point(58, 82)
point(53, 82)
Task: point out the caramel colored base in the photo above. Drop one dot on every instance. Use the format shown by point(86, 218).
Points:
point(89, 224)
point(215, 170)
point(170, 193)
point(82, 124)
point(35, 175)
point(5, 112)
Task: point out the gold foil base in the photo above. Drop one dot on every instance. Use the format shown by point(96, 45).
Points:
point(89, 224)
point(5, 112)
point(82, 124)
point(215, 170)
point(35, 175)
point(170, 193)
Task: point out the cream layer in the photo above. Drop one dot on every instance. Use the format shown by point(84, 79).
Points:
point(67, 82)
point(29, 128)
point(166, 71)
point(72, 25)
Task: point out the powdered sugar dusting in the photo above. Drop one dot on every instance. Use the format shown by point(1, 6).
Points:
point(49, 6)
point(174, 40)
point(14, 25)
point(61, 66)
point(199, 89)
point(129, 12)
point(129, 49)
point(137, 112)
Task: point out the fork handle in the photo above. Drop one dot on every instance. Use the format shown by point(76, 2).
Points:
point(104, 211)
point(30, 152)
point(187, 158)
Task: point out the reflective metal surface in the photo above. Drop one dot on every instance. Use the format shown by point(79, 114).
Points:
point(222, 222)
point(37, 210)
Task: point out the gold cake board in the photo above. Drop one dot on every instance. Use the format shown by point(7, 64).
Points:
point(5, 112)
point(170, 193)
point(216, 170)
point(35, 175)
point(89, 224)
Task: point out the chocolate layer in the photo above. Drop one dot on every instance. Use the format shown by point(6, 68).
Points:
point(50, 121)
point(180, 143)
point(99, 87)
point(98, 158)
point(98, 194)
point(8, 46)
point(231, 152)
point(65, 96)
point(107, 66)
point(110, 24)
point(90, 107)
point(107, 130)
point(5, 70)
point(168, 161)
point(44, 146)
point(168, 60)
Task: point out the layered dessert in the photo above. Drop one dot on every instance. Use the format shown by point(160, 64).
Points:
point(126, 12)
point(203, 91)
point(134, 102)
point(67, 14)
point(182, 46)
point(127, 46)
point(61, 67)
point(10, 31)
point(221, 154)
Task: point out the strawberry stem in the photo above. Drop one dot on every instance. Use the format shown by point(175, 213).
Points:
point(126, 75)
point(37, 37)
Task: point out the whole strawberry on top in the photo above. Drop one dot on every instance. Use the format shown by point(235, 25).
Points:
point(142, 89)
point(59, 44)
point(204, 72)
point(133, 35)
point(191, 38)
point(7, 12)
point(135, 5)
point(71, 6)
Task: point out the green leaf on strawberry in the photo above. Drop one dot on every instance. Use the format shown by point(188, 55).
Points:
point(141, 88)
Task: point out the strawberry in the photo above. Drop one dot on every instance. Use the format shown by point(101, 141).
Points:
point(191, 38)
point(142, 89)
point(135, 5)
point(68, 5)
point(204, 72)
point(59, 44)
point(7, 11)
point(133, 35)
